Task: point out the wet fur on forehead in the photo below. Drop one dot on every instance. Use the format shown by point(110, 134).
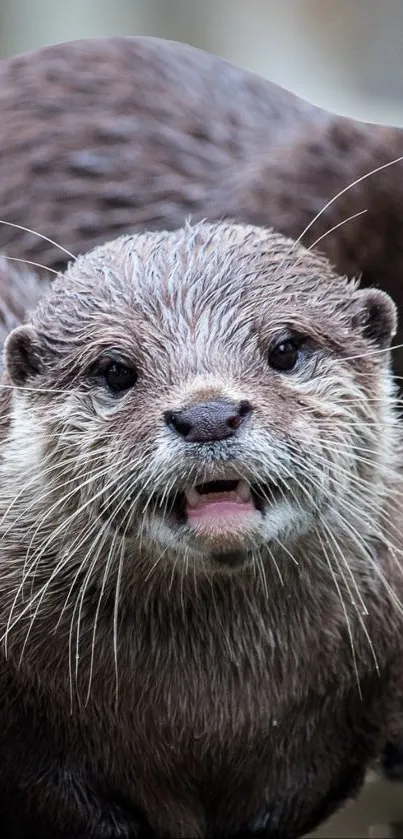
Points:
point(162, 268)
point(211, 281)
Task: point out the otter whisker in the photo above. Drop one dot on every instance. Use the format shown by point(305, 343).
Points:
point(335, 198)
point(80, 599)
point(174, 564)
point(156, 563)
point(184, 570)
point(356, 589)
point(168, 489)
point(359, 484)
point(30, 262)
point(331, 230)
point(343, 606)
point(353, 533)
point(332, 547)
point(107, 566)
point(116, 617)
point(37, 500)
point(42, 591)
point(41, 551)
point(104, 471)
point(30, 389)
point(286, 550)
point(67, 556)
point(79, 542)
point(77, 608)
point(116, 606)
point(76, 545)
point(257, 559)
point(34, 565)
point(114, 513)
point(373, 352)
point(39, 235)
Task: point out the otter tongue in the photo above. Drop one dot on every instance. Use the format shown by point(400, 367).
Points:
point(219, 507)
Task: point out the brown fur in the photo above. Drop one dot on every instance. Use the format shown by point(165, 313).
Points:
point(99, 138)
point(181, 697)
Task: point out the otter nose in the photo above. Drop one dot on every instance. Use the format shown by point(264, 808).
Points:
point(209, 421)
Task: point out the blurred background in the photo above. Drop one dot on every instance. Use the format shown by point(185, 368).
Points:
point(344, 55)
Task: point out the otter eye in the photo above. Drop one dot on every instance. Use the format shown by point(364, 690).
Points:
point(118, 377)
point(284, 356)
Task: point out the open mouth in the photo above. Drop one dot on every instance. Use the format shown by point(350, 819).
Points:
point(221, 504)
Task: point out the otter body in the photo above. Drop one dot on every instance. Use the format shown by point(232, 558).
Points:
point(201, 574)
point(105, 137)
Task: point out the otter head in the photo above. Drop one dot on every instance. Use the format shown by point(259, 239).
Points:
point(211, 394)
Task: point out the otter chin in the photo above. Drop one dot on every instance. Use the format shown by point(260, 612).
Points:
point(201, 567)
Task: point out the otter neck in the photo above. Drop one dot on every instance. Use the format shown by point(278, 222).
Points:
point(102, 625)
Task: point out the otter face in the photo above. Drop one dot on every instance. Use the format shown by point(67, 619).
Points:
point(208, 393)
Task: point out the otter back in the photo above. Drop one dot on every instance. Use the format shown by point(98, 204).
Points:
point(99, 138)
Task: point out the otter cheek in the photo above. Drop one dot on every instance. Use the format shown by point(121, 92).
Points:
point(221, 513)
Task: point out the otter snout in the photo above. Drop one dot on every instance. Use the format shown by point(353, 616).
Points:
point(208, 422)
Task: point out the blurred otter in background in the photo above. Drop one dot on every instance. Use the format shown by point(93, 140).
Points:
point(120, 135)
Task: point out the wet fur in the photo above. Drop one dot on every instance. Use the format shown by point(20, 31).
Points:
point(179, 697)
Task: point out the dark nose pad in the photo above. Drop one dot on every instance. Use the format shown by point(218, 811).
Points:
point(209, 421)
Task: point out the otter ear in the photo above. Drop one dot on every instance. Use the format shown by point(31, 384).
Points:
point(376, 316)
point(22, 355)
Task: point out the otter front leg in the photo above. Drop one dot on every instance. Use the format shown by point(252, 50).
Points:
point(65, 807)
point(46, 792)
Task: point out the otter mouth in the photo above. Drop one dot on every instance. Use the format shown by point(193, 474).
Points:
point(219, 506)
point(222, 492)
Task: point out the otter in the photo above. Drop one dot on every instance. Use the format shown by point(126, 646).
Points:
point(111, 136)
point(120, 135)
point(201, 566)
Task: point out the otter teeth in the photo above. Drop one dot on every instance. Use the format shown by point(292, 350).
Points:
point(243, 490)
point(193, 496)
